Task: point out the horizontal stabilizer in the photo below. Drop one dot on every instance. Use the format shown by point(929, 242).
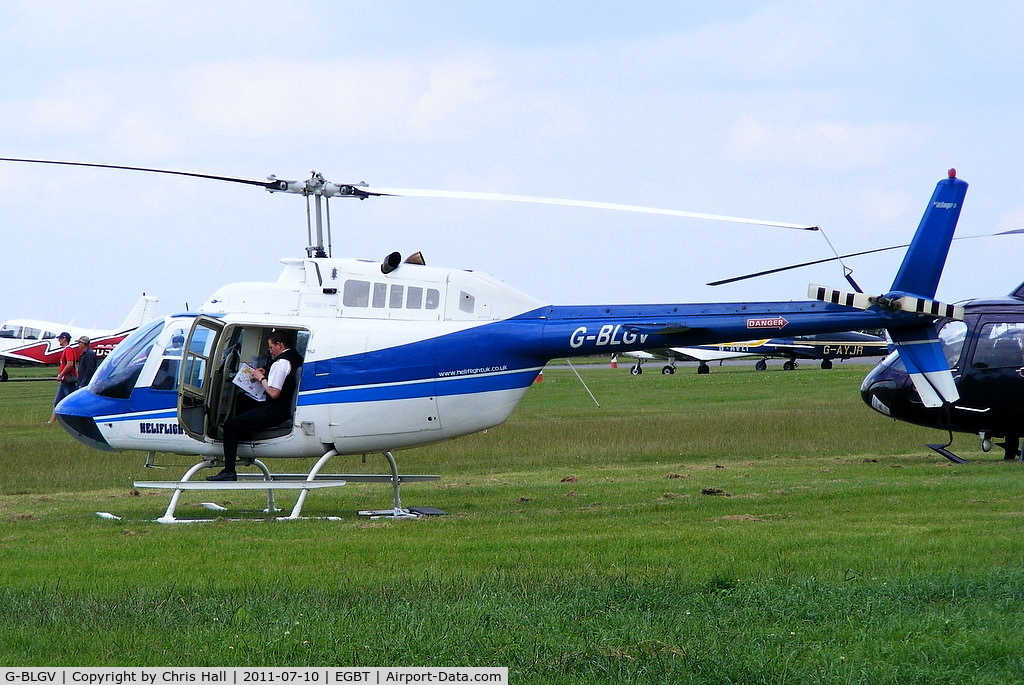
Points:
point(905, 303)
point(847, 299)
point(920, 305)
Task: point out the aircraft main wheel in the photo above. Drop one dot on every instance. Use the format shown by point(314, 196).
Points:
point(761, 365)
point(826, 364)
point(636, 370)
point(667, 370)
point(703, 368)
point(789, 366)
point(3, 376)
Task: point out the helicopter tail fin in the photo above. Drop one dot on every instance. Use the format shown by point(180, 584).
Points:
point(912, 291)
point(918, 277)
point(922, 265)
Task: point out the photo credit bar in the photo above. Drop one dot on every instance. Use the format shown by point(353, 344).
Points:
point(376, 675)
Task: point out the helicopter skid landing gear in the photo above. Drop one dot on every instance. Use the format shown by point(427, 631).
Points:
point(304, 482)
point(941, 449)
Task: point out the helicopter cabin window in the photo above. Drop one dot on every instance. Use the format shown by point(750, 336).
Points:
point(395, 300)
point(999, 346)
point(356, 294)
point(414, 297)
point(380, 295)
point(467, 303)
point(433, 298)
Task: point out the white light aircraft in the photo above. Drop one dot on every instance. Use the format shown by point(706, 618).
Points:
point(30, 341)
point(399, 354)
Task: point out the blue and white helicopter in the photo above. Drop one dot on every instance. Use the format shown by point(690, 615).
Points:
point(400, 354)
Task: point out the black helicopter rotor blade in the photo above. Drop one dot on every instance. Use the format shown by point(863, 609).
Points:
point(269, 185)
point(766, 272)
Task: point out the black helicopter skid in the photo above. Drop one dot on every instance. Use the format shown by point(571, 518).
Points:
point(942, 449)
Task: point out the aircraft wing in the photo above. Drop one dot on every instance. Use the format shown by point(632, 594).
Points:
point(687, 354)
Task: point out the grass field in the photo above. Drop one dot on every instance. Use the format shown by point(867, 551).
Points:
point(740, 527)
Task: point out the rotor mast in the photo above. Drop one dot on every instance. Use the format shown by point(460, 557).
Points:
point(321, 190)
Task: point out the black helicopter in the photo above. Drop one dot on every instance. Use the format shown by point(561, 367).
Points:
point(986, 354)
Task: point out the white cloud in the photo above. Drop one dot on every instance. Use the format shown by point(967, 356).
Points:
point(822, 145)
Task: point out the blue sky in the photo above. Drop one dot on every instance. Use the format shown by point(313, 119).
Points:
point(839, 114)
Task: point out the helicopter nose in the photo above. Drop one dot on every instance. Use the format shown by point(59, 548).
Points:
point(886, 386)
point(76, 414)
point(879, 395)
point(84, 429)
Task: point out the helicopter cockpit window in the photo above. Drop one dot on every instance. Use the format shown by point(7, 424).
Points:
point(999, 346)
point(952, 336)
point(116, 376)
point(356, 294)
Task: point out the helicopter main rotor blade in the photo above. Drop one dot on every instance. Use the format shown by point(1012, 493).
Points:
point(530, 199)
point(744, 277)
point(318, 186)
point(269, 185)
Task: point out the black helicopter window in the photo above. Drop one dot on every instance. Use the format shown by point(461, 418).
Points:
point(952, 336)
point(999, 346)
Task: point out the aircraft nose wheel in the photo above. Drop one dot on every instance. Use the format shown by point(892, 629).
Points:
point(636, 370)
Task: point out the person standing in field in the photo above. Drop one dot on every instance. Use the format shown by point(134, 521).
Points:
point(67, 372)
point(86, 362)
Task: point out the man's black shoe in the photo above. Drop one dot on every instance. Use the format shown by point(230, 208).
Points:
point(224, 475)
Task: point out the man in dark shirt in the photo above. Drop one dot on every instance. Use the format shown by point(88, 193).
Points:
point(279, 382)
point(86, 362)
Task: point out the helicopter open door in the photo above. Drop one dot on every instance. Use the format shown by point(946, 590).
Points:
point(214, 352)
point(200, 375)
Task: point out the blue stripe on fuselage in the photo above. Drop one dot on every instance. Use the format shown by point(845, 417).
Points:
point(440, 387)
